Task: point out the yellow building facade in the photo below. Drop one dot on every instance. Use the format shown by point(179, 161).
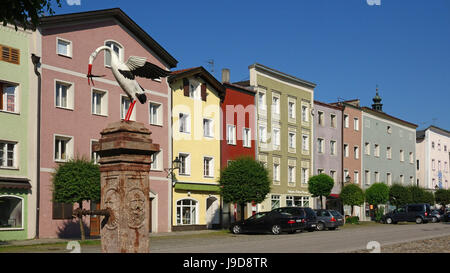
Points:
point(196, 135)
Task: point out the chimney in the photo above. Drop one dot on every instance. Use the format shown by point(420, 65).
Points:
point(225, 75)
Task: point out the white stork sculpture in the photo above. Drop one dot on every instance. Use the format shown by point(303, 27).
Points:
point(125, 74)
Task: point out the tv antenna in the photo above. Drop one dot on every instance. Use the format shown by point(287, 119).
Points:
point(211, 63)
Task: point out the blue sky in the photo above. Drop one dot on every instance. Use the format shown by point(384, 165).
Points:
point(346, 47)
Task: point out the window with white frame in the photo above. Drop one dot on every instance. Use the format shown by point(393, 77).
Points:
point(320, 120)
point(208, 129)
point(64, 95)
point(291, 140)
point(356, 124)
point(367, 148)
point(194, 89)
point(305, 142)
point(262, 101)
point(305, 116)
point(402, 179)
point(184, 122)
point(346, 174)
point(346, 121)
point(433, 164)
point(356, 177)
point(319, 171)
point(276, 137)
point(411, 158)
point(231, 134)
point(333, 175)
point(367, 177)
point(377, 177)
point(291, 174)
point(95, 157)
point(275, 201)
point(99, 102)
point(389, 129)
point(8, 97)
point(291, 109)
point(125, 104)
point(377, 150)
point(389, 178)
point(247, 137)
point(411, 180)
point(276, 172)
point(333, 147)
point(262, 132)
point(208, 167)
point(333, 122)
point(305, 175)
point(63, 148)
point(275, 104)
point(185, 164)
point(388, 153)
point(356, 152)
point(346, 152)
point(11, 212)
point(157, 161)
point(117, 49)
point(320, 146)
point(8, 157)
point(64, 47)
point(156, 113)
point(402, 156)
point(187, 212)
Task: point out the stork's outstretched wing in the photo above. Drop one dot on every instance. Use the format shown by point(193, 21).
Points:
point(141, 68)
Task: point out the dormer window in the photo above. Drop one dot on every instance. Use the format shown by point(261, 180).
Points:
point(117, 48)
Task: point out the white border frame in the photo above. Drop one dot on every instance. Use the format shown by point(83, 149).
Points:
point(23, 214)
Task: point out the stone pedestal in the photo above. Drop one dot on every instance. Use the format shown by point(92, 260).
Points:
point(125, 150)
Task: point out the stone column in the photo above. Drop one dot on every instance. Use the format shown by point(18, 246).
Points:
point(125, 150)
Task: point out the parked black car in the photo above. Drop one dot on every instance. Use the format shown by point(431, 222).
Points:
point(288, 219)
point(447, 216)
point(419, 213)
point(328, 219)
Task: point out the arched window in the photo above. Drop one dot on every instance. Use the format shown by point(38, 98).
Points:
point(186, 212)
point(116, 47)
point(11, 211)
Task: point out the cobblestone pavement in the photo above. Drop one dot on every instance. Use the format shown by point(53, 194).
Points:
point(435, 245)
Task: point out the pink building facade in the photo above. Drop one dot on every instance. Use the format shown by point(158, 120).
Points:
point(74, 113)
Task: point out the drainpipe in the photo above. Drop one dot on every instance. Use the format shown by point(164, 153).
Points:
point(36, 61)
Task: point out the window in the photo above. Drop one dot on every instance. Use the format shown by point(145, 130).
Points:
point(377, 177)
point(291, 140)
point(95, 157)
point(156, 113)
point(118, 49)
point(64, 47)
point(157, 161)
point(291, 109)
point(231, 134)
point(417, 164)
point(356, 177)
point(333, 121)
point(346, 121)
point(184, 123)
point(185, 164)
point(446, 167)
point(367, 148)
point(247, 137)
point(194, 89)
point(10, 55)
point(445, 148)
point(187, 212)
point(356, 152)
point(333, 147)
point(439, 165)
point(333, 175)
point(276, 138)
point(262, 101)
point(377, 150)
point(64, 95)
point(432, 144)
point(367, 177)
point(289, 201)
point(208, 167)
point(275, 201)
point(8, 155)
point(346, 153)
point(319, 118)
point(305, 113)
point(305, 142)
point(388, 153)
point(411, 180)
point(319, 171)
point(433, 164)
point(276, 172)
point(99, 104)
point(389, 178)
point(389, 130)
point(291, 174)
point(124, 106)
point(402, 179)
point(346, 174)
point(276, 105)
point(8, 97)
point(63, 148)
point(262, 134)
point(305, 175)
point(11, 212)
point(402, 156)
point(356, 124)
point(208, 130)
point(320, 146)
point(411, 158)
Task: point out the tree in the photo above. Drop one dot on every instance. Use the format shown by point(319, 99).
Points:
point(419, 195)
point(428, 198)
point(442, 197)
point(399, 195)
point(377, 194)
point(25, 12)
point(320, 185)
point(244, 180)
point(75, 181)
point(352, 195)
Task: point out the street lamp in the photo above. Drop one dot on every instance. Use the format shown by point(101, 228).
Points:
point(175, 165)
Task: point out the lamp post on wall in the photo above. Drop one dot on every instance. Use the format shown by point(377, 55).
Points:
point(175, 166)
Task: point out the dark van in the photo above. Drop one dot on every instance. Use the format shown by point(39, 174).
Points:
point(419, 213)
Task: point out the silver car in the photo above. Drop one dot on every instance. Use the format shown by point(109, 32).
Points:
point(328, 219)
